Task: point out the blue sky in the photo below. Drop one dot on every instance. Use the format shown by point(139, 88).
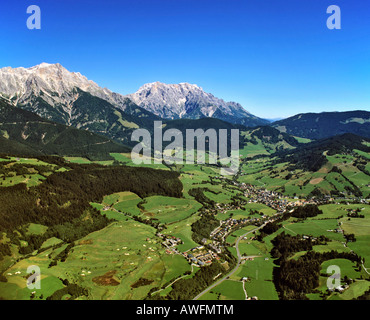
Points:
point(275, 57)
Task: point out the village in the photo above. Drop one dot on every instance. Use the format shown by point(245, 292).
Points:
point(210, 249)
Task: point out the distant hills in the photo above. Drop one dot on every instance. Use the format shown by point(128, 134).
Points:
point(25, 133)
point(336, 166)
point(265, 140)
point(326, 124)
point(312, 156)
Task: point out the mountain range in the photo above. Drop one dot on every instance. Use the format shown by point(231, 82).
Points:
point(59, 96)
point(188, 101)
point(50, 90)
point(25, 133)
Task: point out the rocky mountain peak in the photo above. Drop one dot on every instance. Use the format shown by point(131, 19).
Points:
point(183, 100)
point(58, 88)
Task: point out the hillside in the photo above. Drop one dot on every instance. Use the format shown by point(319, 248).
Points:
point(326, 124)
point(266, 140)
point(337, 166)
point(312, 156)
point(25, 133)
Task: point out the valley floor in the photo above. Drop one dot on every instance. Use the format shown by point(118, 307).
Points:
point(155, 245)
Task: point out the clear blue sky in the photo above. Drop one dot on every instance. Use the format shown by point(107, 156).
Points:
point(275, 57)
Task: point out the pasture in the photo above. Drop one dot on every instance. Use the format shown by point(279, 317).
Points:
point(168, 210)
point(107, 262)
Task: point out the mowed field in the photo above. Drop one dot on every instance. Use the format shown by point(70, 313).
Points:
point(227, 290)
point(126, 259)
point(164, 209)
point(126, 159)
point(177, 213)
point(81, 160)
point(168, 210)
point(123, 202)
point(183, 231)
point(360, 227)
point(122, 261)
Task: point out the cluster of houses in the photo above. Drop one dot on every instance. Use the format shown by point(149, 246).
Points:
point(204, 255)
point(227, 226)
point(200, 256)
point(276, 200)
point(170, 243)
point(355, 213)
point(337, 230)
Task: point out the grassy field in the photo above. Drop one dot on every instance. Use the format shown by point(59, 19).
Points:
point(360, 227)
point(262, 172)
point(259, 274)
point(236, 234)
point(31, 177)
point(183, 231)
point(169, 210)
point(36, 229)
point(193, 176)
point(107, 262)
point(347, 268)
point(82, 160)
point(126, 159)
point(115, 204)
point(315, 228)
point(227, 290)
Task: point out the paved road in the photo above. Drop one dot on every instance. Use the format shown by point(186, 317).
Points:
point(235, 268)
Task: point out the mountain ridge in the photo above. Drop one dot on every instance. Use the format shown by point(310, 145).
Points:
point(326, 124)
point(25, 133)
point(184, 100)
point(57, 87)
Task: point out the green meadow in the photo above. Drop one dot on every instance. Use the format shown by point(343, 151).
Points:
point(31, 175)
point(259, 274)
point(125, 158)
point(106, 262)
point(227, 290)
point(183, 231)
point(168, 210)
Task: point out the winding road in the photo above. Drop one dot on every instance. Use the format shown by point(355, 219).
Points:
point(235, 268)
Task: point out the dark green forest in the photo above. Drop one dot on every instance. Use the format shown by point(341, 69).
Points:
point(294, 278)
point(64, 198)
